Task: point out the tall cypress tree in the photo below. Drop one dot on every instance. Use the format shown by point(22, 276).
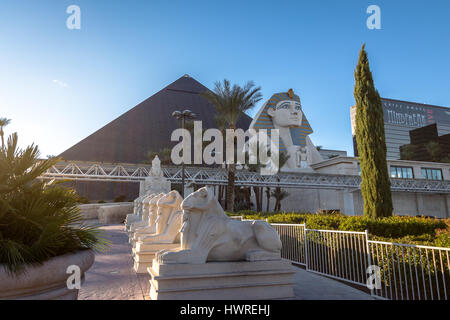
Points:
point(375, 185)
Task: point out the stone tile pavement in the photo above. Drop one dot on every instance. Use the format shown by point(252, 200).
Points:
point(112, 277)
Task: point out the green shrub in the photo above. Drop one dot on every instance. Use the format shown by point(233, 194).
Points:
point(416, 230)
point(38, 220)
point(101, 201)
point(82, 200)
point(120, 198)
point(393, 227)
point(287, 218)
point(327, 222)
point(442, 238)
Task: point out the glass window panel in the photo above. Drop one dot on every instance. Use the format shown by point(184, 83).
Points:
point(404, 173)
point(393, 172)
point(410, 173)
point(432, 174)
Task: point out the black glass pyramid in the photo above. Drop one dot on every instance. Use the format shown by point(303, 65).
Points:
point(147, 126)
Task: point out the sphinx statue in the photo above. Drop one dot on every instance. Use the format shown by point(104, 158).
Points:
point(143, 214)
point(208, 234)
point(137, 212)
point(283, 111)
point(155, 182)
point(150, 215)
point(168, 221)
point(165, 231)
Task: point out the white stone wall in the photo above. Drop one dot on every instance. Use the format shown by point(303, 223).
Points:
point(91, 211)
point(351, 203)
point(114, 213)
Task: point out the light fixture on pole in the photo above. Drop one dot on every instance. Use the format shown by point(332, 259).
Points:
point(183, 116)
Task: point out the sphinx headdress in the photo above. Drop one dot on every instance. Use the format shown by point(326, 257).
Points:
point(262, 119)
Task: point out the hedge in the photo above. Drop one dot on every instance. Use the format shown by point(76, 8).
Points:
point(418, 230)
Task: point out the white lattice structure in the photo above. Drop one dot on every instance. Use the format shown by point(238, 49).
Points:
point(90, 171)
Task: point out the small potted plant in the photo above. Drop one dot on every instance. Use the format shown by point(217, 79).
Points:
point(45, 248)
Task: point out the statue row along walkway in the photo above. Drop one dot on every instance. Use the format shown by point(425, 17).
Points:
point(189, 249)
point(112, 277)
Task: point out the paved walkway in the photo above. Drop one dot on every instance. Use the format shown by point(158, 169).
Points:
point(112, 277)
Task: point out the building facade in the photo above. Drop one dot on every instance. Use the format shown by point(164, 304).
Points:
point(350, 201)
point(400, 117)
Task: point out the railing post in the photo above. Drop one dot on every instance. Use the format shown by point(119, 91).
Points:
point(306, 245)
point(369, 259)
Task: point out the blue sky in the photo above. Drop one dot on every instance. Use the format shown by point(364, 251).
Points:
point(60, 85)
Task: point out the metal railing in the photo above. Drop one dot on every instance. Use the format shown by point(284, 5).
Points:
point(406, 271)
point(337, 254)
point(293, 239)
point(266, 220)
point(411, 272)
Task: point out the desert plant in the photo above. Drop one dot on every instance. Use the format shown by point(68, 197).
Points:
point(38, 220)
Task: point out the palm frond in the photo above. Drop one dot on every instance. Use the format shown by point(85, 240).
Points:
point(38, 220)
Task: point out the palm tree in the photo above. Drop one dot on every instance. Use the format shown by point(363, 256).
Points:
point(38, 220)
point(3, 123)
point(231, 102)
point(407, 152)
point(163, 155)
point(433, 150)
point(446, 159)
point(256, 168)
point(278, 194)
point(268, 199)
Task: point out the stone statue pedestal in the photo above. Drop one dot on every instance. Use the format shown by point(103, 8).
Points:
point(144, 254)
point(141, 232)
point(139, 227)
point(242, 280)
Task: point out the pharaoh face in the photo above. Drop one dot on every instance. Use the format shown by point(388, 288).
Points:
point(286, 114)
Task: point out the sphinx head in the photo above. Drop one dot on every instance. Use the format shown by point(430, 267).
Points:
point(152, 208)
point(146, 200)
point(171, 199)
point(285, 110)
point(155, 199)
point(200, 200)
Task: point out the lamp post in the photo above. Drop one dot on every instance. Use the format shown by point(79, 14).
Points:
point(183, 116)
